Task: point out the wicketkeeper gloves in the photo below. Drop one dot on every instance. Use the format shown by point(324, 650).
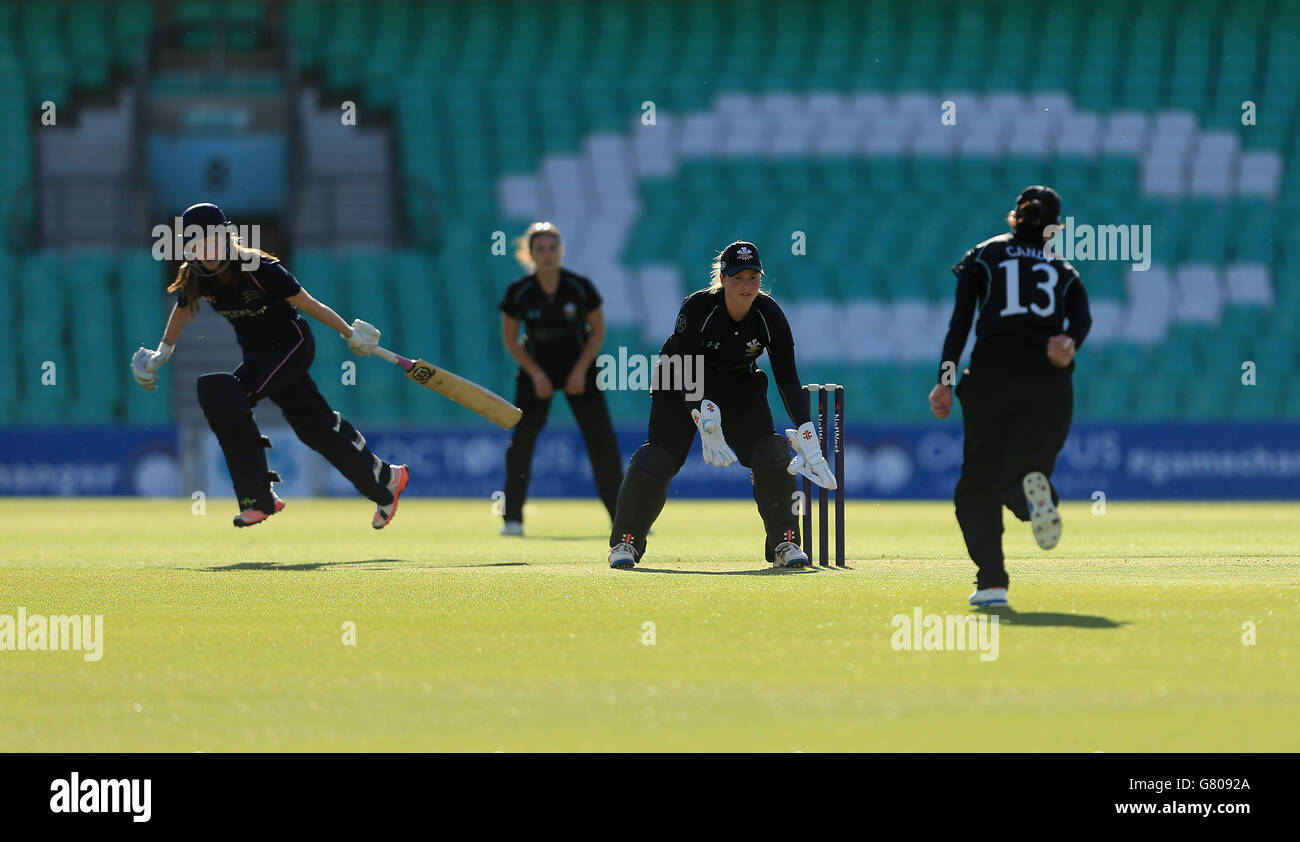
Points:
point(808, 459)
point(709, 419)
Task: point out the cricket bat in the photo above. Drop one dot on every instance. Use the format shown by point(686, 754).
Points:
point(468, 394)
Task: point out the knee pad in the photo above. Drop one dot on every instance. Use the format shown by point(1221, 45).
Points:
point(221, 394)
point(654, 460)
point(769, 453)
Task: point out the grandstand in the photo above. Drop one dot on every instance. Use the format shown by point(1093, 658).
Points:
point(770, 118)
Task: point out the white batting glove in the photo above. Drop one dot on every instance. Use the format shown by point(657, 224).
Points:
point(364, 338)
point(145, 363)
point(709, 419)
point(808, 459)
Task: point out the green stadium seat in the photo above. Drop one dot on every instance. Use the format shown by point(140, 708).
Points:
point(322, 275)
point(198, 12)
point(141, 306)
point(305, 21)
point(132, 22)
point(368, 292)
point(43, 341)
point(244, 12)
point(88, 40)
point(9, 373)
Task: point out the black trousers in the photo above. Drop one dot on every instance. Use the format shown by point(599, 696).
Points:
point(278, 369)
point(592, 414)
point(1016, 418)
point(749, 431)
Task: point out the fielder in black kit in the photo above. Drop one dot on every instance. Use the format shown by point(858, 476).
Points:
point(564, 326)
point(262, 301)
point(729, 325)
point(1017, 398)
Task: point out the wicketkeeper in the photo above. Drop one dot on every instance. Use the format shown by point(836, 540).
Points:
point(256, 294)
point(730, 324)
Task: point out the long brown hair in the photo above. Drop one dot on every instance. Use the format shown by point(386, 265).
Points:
point(187, 279)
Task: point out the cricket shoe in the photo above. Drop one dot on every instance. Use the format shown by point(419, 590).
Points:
point(1044, 519)
point(622, 556)
point(788, 554)
point(513, 527)
point(398, 477)
point(989, 598)
point(252, 517)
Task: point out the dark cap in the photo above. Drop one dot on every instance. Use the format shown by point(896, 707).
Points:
point(1048, 199)
point(740, 255)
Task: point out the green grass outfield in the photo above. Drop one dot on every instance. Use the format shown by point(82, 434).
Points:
point(1128, 637)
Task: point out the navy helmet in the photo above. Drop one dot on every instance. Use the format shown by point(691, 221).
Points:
point(207, 217)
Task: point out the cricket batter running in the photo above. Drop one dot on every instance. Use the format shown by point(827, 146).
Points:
point(1017, 397)
point(730, 324)
point(256, 294)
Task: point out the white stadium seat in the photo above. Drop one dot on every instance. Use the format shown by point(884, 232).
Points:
point(657, 148)
point(518, 196)
point(660, 291)
point(1249, 283)
point(1080, 136)
point(1259, 174)
point(1125, 133)
point(1108, 316)
point(701, 135)
point(1151, 297)
point(1200, 294)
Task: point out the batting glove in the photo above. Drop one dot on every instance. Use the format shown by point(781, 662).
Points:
point(364, 338)
point(709, 419)
point(144, 365)
point(808, 459)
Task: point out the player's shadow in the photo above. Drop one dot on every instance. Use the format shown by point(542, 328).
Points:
point(312, 565)
point(317, 565)
point(566, 538)
point(1047, 618)
point(761, 571)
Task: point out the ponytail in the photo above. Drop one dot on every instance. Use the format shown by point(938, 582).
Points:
point(1028, 220)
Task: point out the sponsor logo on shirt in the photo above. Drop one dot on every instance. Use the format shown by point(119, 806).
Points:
point(240, 314)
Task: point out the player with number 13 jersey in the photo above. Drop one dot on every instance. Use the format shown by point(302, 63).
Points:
point(1031, 316)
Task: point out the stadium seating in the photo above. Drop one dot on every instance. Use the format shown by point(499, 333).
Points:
point(818, 120)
